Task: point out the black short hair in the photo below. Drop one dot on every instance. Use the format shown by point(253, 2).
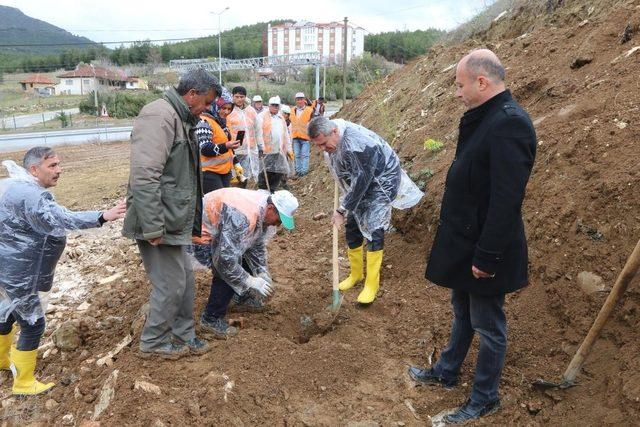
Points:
point(321, 98)
point(239, 89)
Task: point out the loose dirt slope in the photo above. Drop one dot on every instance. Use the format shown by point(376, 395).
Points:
point(581, 214)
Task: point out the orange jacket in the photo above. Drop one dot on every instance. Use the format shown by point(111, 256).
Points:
point(299, 123)
point(218, 164)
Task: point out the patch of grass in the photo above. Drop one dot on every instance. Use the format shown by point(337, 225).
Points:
point(432, 145)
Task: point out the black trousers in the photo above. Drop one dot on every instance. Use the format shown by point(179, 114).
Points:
point(275, 181)
point(355, 238)
point(212, 181)
point(220, 295)
point(29, 338)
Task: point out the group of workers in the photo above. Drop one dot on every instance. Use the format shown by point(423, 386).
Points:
point(240, 143)
point(191, 168)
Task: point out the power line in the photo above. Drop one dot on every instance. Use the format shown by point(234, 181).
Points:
point(96, 43)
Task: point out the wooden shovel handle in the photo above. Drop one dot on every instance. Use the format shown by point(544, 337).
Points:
point(336, 271)
point(622, 282)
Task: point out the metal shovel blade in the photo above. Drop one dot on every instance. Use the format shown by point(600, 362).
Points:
point(545, 385)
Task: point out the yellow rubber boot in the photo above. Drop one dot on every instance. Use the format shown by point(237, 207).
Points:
point(372, 282)
point(5, 346)
point(356, 263)
point(23, 365)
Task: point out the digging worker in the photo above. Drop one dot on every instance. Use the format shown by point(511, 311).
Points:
point(245, 118)
point(371, 182)
point(164, 210)
point(277, 147)
point(32, 238)
point(300, 117)
point(480, 249)
point(236, 225)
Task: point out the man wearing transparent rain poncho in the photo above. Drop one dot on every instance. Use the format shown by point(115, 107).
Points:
point(32, 238)
point(371, 182)
point(235, 227)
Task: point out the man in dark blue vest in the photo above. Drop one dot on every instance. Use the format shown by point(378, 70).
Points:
point(480, 248)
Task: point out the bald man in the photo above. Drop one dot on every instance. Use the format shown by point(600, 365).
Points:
point(480, 249)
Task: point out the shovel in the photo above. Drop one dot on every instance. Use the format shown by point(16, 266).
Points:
point(266, 177)
point(622, 282)
point(322, 321)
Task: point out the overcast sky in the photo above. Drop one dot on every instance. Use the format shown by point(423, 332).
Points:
point(118, 20)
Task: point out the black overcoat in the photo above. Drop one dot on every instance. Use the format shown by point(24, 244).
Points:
point(480, 218)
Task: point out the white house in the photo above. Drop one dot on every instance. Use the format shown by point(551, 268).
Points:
point(135, 82)
point(304, 36)
point(87, 78)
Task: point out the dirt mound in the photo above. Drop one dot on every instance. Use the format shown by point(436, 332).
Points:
point(581, 215)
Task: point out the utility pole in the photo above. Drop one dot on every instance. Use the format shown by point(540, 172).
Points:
point(344, 62)
point(324, 81)
point(220, 43)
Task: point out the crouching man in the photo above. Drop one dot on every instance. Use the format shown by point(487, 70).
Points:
point(32, 238)
point(236, 226)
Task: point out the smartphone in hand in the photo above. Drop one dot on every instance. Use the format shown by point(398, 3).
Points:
point(240, 136)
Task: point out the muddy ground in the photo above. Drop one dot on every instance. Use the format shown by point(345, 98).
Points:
point(581, 215)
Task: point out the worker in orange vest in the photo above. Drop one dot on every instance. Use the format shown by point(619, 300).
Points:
point(277, 147)
point(236, 226)
point(244, 117)
point(300, 118)
point(216, 145)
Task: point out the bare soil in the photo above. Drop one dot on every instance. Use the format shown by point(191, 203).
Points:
point(581, 213)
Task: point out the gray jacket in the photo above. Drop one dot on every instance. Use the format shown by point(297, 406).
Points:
point(164, 197)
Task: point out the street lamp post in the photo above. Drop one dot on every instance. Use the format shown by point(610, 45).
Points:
point(220, 43)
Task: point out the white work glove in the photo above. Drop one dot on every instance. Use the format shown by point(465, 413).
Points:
point(264, 275)
point(260, 285)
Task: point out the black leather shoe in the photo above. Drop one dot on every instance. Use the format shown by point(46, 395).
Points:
point(470, 411)
point(427, 377)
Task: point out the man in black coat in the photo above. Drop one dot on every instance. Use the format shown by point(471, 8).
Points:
point(480, 248)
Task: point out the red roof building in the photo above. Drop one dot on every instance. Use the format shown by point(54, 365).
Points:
point(87, 77)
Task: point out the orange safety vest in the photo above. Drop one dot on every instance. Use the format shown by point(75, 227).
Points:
point(243, 119)
point(269, 148)
point(218, 164)
point(299, 123)
point(247, 202)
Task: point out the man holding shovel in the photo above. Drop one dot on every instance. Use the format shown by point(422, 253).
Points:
point(371, 181)
point(480, 248)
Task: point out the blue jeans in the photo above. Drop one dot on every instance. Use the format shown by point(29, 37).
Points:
point(301, 150)
point(482, 314)
point(220, 295)
point(29, 338)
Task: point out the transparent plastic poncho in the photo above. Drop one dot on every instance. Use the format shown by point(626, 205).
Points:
point(277, 143)
point(233, 232)
point(370, 178)
point(247, 120)
point(32, 238)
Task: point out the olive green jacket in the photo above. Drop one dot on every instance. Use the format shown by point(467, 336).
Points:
point(164, 197)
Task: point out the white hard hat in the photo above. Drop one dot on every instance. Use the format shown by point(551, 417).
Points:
point(300, 95)
point(285, 109)
point(274, 100)
point(286, 204)
point(257, 98)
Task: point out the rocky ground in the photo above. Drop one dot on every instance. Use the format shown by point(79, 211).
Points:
point(575, 69)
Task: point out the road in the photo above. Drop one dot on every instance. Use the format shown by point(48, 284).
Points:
point(26, 120)
point(24, 141)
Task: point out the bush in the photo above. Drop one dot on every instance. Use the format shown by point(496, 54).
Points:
point(119, 104)
point(64, 119)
